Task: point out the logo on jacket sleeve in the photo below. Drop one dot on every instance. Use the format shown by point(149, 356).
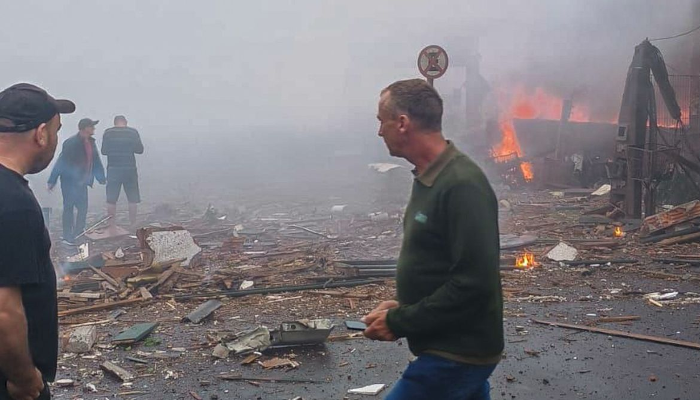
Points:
point(420, 217)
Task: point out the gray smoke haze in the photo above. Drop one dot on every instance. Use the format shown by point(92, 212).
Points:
point(224, 89)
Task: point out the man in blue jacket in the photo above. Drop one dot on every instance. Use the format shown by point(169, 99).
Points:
point(78, 166)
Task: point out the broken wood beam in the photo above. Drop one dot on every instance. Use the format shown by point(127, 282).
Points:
point(680, 239)
point(341, 294)
point(145, 293)
point(600, 262)
point(115, 370)
point(233, 377)
point(99, 307)
point(75, 296)
point(281, 289)
point(109, 279)
point(612, 332)
point(695, 262)
point(659, 238)
point(626, 318)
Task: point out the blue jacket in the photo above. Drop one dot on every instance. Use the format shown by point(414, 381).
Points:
point(71, 162)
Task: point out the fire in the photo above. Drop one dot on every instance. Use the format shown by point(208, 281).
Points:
point(618, 232)
point(525, 261)
point(528, 104)
point(66, 278)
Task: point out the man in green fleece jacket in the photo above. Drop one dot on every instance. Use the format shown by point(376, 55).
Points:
point(449, 305)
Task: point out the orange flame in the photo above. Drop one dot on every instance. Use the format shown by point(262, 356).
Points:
point(525, 261)
point(66, 278)
point(618, 232)
point(523, 104)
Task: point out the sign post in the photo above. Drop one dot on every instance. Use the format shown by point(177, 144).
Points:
point(433, 62)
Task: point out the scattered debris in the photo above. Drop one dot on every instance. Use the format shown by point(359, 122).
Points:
point(117, 371)
point(235, 377)
point(656, 339)
point(255, 340)
point(371, 390)
point(220, 351)
point(246, 285)
point(160, 245)
point(202, 312)
point(81, 339)
point(562, 252)
point(279, 363)
point(135, 334)
point(302, 332)
point(64, 382)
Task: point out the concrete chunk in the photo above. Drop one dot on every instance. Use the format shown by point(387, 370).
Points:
point(82, 339)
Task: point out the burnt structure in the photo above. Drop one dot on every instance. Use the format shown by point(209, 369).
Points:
point(639, 160)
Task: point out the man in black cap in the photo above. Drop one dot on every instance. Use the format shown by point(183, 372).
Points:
point(78, 166)
point(119, 144)
point(29, 124)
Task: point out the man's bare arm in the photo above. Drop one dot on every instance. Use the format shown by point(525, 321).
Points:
point(15, 359)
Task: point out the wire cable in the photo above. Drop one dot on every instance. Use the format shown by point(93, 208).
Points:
point(676, 36)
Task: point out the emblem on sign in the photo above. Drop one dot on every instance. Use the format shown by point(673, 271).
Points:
point(433, 62)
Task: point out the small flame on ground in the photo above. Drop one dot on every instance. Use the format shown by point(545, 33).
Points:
point(527, 260)
point(618, 232)
point(66, 278)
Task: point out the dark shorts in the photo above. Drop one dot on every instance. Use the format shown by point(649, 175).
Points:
point(129, 178)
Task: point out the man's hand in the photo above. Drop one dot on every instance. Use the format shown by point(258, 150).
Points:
point(386, 305)
point(29, 390)
point(383, 306)
point(50, 186)
point(377, 329)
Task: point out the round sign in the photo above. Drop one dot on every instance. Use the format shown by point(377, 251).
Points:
point(432, 62)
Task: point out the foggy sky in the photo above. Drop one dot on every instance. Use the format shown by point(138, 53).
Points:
point(305, 66)
point(226, 90)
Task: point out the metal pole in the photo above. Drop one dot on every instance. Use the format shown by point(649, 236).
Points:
point(431, 81)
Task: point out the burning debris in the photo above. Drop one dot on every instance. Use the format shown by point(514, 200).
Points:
point(618, 232)
point(525, 261)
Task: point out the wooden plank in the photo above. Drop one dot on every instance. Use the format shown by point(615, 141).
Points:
point(163, 278)
point(119, 372)
point(135, 333)
point(612, 332)
point(233, 377)
point(626, 318)
point(99, 307)
point(340, 294)
point(145, 293)
point(76, 296)
point(680, 239)
point(106, 277)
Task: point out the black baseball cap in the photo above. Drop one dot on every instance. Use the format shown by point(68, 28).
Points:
point(24, 107)
point(87, 122)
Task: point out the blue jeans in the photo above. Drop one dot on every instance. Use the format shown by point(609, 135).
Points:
point(432, 377)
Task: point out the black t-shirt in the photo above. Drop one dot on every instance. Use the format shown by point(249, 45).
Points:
point(120, 144)
point(25, 262)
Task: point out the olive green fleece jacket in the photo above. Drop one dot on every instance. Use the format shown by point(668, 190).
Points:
point(448, 278)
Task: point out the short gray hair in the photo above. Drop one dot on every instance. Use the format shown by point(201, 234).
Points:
point(420, 101)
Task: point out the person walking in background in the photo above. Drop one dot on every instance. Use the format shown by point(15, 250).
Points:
point(78, 166)
point(29, 124)
point(120, 144)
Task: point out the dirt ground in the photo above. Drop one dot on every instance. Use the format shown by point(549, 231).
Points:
point(540, 361)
